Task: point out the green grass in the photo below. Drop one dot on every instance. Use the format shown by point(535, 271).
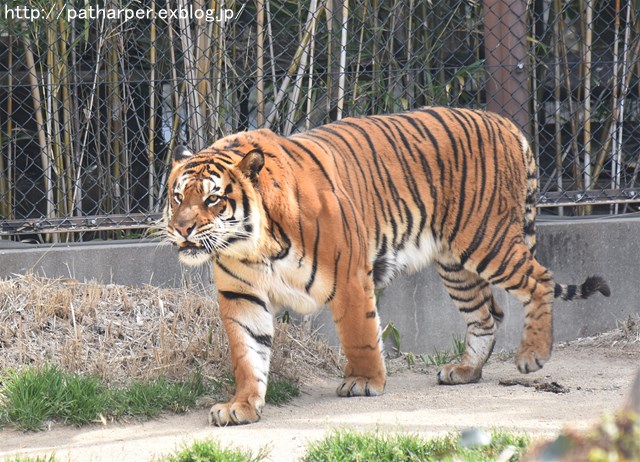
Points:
point(446, 357)
point(32, 396)
point(281, 392)
point(150, 399)
point(210, 451)
point(348, 446)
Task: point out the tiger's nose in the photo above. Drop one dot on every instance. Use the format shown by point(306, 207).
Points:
point(185, 230)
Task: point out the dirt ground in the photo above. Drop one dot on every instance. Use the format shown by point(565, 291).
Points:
point(596, 373)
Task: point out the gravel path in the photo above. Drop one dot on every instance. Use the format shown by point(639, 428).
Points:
point(596, 376)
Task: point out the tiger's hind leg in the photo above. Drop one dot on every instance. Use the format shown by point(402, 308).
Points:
point(474, 299)
point(522, 276)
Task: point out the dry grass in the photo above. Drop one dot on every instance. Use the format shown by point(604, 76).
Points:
point(626, 336)
point(122, 333)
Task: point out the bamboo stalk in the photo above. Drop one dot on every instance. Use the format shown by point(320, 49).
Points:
point(125, 94)
point(193, 107)
point(537, 73)
point(428, 98)
point(295, 63)
point(391, 59)
point(76, 200)
point(202, 41)
point(610, 138)
point(356, 77)
point(343, 57)
point(67, 113)
point(557, 116)
point(587, 8)
point(113, 126)
point(174, 86)
point(613, 136)
point(40, 126)
point(62, 125)
point(274, 85)
point(617, 154)
point(293, 102)
point(410, 78)
point(88, 113)
point(239, 93)
point(3, 184)
point(310, 91)
point(329, 21)
point(53, 124)
point(6, 186)
point(151, 155)
point(573, 114)
point(375, 78)
point(218, 75)
point(260, 62)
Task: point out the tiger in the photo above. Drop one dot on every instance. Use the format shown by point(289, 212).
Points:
point(324, 217)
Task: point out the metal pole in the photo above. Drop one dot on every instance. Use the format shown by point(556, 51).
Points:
point(505, 35)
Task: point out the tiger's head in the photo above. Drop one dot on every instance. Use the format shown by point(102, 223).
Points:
point(213, 206)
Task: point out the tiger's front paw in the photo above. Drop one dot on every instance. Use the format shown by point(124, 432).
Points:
point(361, 386)
point(531, 359)
point(455, 374)
point(236, 412)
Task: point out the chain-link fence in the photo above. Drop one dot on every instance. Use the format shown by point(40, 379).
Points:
point(94, 96)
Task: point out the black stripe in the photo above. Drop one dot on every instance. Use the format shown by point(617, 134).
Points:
point(458, 299)
point(463, 170)
point(514, 270)
point(264, 339)
point(450, 268)
point(314, 159)
point(231, 273)
point(300, 229)
point(495, 244)
point(451, 284)
point(230, 295)
point(481, 230)
point(477, 306)
point(314, 265)
point(557, 291)
point(282, 238)
point(396, 126)
point(335, 280)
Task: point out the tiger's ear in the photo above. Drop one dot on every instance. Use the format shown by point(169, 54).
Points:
point(251, 164)
point(181, 153)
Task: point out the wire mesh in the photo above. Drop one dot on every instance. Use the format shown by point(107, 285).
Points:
point(94, 96)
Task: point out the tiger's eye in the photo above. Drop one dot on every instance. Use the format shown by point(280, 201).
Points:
point(211, 200)
point(177, 197)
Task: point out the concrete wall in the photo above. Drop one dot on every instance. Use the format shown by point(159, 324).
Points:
point(417, 305)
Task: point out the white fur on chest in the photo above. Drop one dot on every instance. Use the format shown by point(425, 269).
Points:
point(283, 282)
point(287, 282)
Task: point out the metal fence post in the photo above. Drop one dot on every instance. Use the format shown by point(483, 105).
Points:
point(505, 34)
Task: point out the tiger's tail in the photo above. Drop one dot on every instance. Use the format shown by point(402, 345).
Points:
point(565, 291)
point(591, 285)
point(531, 196)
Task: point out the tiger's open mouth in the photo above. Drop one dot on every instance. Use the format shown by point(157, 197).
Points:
point(191, 248)
point(193, 254)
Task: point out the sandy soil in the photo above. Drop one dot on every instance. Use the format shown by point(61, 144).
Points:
point(597, 378)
